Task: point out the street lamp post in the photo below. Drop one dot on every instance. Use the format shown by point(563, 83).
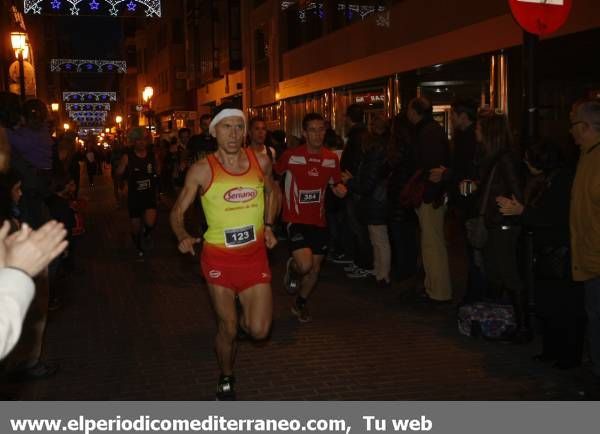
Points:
point(118, 120)
point(19, 44)
point(147, 95)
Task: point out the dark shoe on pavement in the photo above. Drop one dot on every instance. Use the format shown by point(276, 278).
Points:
point(290, 282)
point(383, 284)
point(301, 313)
point(225, 388)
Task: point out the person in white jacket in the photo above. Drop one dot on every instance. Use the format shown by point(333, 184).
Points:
point(23, 255)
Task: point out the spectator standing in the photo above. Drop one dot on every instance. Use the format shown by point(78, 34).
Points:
point(545, 212)
point(370, 185)
point(360, 249)
point(464, 172)
point(585, 222)
point(431, 159)
point(402, 220)
point(499, 166)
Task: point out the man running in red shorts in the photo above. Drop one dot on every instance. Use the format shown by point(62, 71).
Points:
point(310, 169)
point(240, 201)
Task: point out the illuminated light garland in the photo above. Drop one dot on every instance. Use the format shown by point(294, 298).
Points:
point(89, 118)
point(70, 106)
point(88, 113)
point(317, 7)
point(81, 65)
point(153, 7)
point(86, 131)
point(86, 97)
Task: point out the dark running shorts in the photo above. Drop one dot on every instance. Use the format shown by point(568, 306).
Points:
point(312, 237)
point(139, 204)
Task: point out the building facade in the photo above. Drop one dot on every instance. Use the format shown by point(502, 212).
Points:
point(160, 52)
point(301, 56)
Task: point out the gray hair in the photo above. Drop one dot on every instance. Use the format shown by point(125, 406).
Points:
point(589, 111)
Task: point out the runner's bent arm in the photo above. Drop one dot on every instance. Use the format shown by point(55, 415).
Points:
point(198, 177)
point(272, 199)
point(272, 191)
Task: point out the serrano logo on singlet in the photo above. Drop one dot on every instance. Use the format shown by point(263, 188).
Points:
point(240, 194)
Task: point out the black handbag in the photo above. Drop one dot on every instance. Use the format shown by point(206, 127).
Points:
point(552, 263)
point(477, 233)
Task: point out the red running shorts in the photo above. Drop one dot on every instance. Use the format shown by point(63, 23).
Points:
point(239, 273)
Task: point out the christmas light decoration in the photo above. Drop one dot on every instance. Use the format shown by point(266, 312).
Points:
point(89, 116)
point(88, 65)
point(153, 7)
point(70, 106)
point(317, 8)
point(83, 96)
point(87, 131)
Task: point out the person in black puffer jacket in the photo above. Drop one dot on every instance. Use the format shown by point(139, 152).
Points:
point(370, 185)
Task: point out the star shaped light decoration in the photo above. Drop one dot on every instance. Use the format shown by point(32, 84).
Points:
point(152, 7)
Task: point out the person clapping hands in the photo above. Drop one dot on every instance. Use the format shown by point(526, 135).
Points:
point(23, 255)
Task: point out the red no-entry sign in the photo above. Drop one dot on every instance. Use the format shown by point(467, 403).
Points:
point(541, 17)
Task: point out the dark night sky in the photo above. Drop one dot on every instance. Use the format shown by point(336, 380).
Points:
point(90, 37)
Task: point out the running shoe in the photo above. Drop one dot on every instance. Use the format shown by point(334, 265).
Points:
point(340, 259)
point(301, 313)
point(351, 268)
point(360, 273)
point(225, 388)
point(290, 282)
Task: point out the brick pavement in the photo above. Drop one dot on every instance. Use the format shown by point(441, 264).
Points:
point(143, 331)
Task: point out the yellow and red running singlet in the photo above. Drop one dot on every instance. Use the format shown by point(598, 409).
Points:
point(234, 208)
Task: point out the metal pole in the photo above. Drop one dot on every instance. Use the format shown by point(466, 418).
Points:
point(21, 75)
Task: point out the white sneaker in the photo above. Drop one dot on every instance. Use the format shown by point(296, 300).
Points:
point(350, 268)
point(360, 273)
